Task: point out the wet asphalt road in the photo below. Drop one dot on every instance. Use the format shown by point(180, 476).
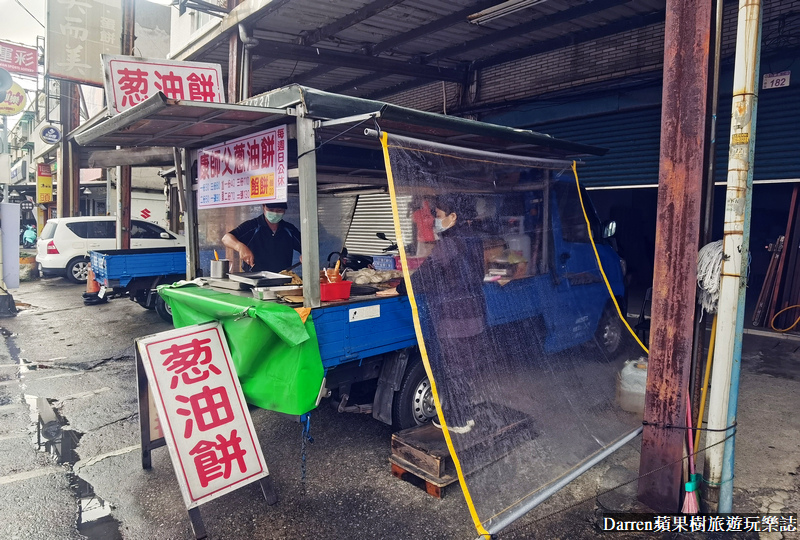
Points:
point(80, 358)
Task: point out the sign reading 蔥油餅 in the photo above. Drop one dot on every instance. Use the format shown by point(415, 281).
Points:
point(44, 183)
point(247, 170)
point(129, 81)
point(78, 32)
point(18, 58)
point(202, 412)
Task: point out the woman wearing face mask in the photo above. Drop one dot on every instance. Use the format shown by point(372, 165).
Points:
point(449, 284)
point(266, 242)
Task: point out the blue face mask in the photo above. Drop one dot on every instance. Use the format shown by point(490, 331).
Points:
point(273, 217)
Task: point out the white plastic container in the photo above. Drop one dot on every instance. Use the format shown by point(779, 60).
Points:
point(521, 244)
point(631, 384)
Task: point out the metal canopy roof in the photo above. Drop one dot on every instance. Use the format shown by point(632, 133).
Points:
point(375, 48)
point(159, 121)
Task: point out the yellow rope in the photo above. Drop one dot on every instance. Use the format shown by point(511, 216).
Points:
point(772, 322)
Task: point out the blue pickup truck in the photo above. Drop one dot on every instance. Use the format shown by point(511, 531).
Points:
point(369, 342)
point(136, 273)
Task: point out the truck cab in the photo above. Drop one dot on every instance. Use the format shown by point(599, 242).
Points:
point(371, 342)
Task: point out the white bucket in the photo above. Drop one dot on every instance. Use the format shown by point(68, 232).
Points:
point(631, 385)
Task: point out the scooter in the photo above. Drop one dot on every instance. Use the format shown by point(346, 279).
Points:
point(29, 237)
point(356, 261)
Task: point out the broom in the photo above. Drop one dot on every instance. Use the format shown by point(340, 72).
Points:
point(690, 505)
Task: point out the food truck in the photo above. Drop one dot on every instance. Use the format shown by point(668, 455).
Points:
point(327, 155)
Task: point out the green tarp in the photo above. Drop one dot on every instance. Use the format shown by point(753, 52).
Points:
point(276, 355)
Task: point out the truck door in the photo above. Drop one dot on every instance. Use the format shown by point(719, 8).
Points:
point(582, 293)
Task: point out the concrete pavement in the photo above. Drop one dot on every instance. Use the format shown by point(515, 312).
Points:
point(81, 359)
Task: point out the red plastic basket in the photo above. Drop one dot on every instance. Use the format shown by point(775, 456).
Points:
point(328, 292)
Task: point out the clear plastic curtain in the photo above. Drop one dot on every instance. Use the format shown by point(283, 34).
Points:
point(519, 326)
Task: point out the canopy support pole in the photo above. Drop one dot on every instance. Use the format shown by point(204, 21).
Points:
point(309, 223)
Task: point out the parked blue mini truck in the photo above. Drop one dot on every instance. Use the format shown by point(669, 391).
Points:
point(372, 340)
point(136, 273)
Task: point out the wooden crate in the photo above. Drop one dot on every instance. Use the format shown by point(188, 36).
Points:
point(420, 456)
point(423, 447)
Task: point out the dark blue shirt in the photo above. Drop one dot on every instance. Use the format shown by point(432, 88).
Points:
point(273, 251)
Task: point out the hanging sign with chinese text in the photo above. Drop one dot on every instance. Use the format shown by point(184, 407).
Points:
point(14, 102)
point(44, 183)
point(247, 170)
point(78, 32)
point(129, 81)
point(18, 58)
point(202, 411)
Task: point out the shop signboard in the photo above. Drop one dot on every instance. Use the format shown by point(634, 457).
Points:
point(245, 171)
point(19, 172)
point(44, 183)
point(14, 101)
point(129, 81)
point(18, 58)
point(202, 411)
point(78, 32)
point(50, 134)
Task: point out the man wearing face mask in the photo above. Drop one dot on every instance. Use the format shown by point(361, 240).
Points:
point(266, 242)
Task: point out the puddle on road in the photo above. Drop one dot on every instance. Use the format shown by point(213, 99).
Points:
point(51, 435)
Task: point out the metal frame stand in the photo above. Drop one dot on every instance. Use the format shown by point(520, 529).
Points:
point(196, 519)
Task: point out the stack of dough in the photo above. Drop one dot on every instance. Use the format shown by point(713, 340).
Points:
point(367, 276)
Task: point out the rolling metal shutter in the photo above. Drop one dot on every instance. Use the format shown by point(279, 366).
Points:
point(373, 215)
point(633, 141)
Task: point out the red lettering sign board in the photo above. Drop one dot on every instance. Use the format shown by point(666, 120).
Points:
point(245, 171)
point(130, 80)
point(18, 58)
point(202, 412)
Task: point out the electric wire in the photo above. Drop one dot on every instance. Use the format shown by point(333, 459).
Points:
point(29, 13)
point(323, 143)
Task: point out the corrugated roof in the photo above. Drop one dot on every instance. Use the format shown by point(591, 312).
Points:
point(367, 48)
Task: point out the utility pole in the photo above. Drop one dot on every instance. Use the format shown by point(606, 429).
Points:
point(124, 172)
point(680, 174)
point(736, 247)
point(69, 167)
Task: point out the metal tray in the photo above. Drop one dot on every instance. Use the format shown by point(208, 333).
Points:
point(271, 293)
point(260, 279)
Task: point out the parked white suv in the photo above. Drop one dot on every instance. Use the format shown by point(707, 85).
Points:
point(64, 246)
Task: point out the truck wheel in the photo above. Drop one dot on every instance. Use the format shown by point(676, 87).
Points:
point(78, 270)
point(413, 404)
point(610, 331)
point(163, 309)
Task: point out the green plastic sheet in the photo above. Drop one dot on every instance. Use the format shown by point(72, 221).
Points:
point(276, 355)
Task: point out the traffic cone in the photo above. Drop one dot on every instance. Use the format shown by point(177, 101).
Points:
point(90, 297)
point(92, 287)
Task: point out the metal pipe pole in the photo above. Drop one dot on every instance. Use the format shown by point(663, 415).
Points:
point(698, 356)
point(736, 247)
point(309, 220)
point(124, 180)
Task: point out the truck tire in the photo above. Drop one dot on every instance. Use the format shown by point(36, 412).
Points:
point(78, 270)
point(413, 403)
point(163, 310)
point(610, 331)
